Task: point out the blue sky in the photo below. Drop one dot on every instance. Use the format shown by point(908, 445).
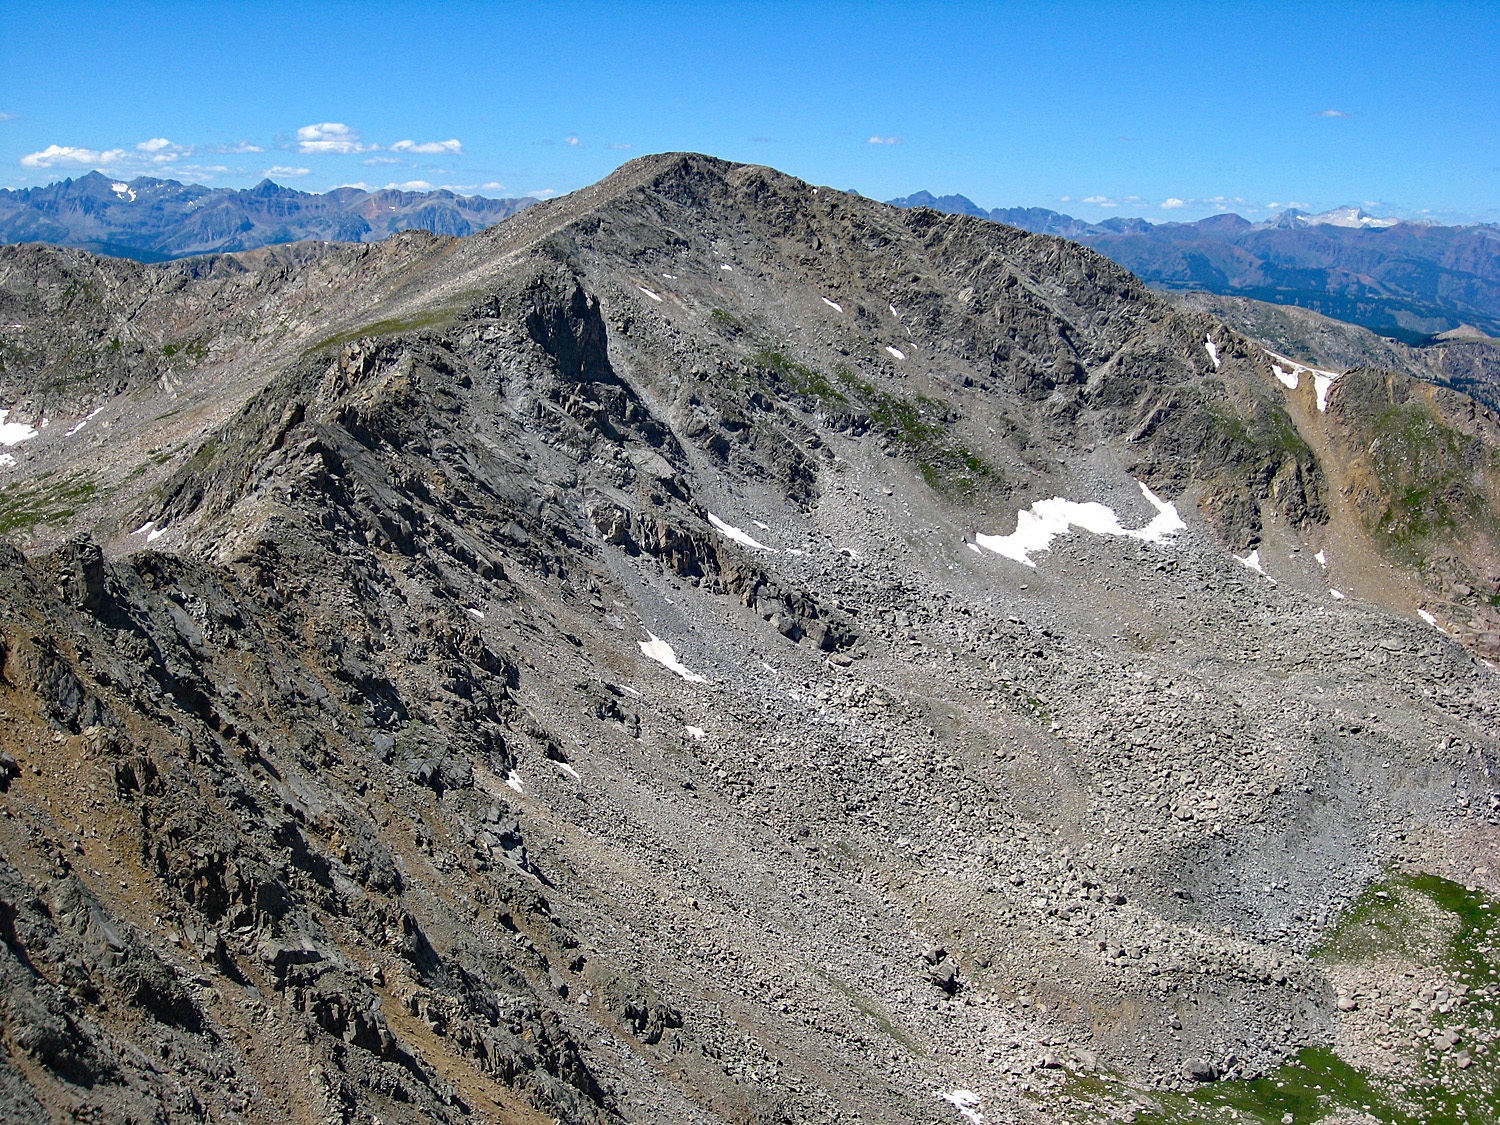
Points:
point(1157, 109)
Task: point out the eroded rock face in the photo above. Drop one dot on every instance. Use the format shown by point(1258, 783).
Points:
point(581, 695)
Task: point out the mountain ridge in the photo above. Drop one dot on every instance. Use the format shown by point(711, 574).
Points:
point(157, 220)
point(1411, 281)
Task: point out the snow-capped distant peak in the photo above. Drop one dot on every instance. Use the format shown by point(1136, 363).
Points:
point(1348, 217)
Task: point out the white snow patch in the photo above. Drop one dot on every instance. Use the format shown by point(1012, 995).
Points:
point(1252, 562)
point(974, 547)
point(1431, 620)
point(894, 313)
point(967, 1103)
point(833, 305)
point(897, 352)
point(761, 524)
point(13, 432)
point(83, 421)
point(1338, 595)
point(1322, 378)
point(727, 267)
point(736, 534)
point(7, 461)
point(1213, 351)
point(1321, 384)
point(697, 734)
point(1322, 560)
point(474, 613)
point(513, 779)
point(648, 292)
point(670, 276)
point(145, 528)
point(155, 533)
point(124, 191)
point(661, 652)
point(1046, 520)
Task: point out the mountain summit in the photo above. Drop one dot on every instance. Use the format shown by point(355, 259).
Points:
point(714, 648)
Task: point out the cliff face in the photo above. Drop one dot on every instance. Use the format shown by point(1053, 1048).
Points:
point(596, 670)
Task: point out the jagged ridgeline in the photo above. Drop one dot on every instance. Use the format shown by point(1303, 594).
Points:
point(713, 648)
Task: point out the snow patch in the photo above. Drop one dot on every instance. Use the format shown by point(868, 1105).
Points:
point(697, 734)
point(648, 293)
point(569, 770)
point(833, 305)
point(7, 461)
point(736, 534)
point(474, 613)
point(967, 1103)
point(661, 652)
point(1322, 560)
point(1252, 562)
point(513, 779)
point(1213, 351)
point(155, 533)
point(12, 433)
point(897, 352)
point(1046, 520)
point(124, 191)
point(1431, 620)
point(1321, 384)
point(894, 313)
point(1323, 379)
point(727, 267)
point(83, 422)
point(1338, 595)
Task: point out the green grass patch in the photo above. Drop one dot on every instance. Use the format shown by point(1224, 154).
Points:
point(44, 502)
point(868, 1010)
point(1425, 920)
point(435, 318)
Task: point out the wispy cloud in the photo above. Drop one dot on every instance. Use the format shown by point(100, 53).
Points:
point(239, 148)
point(330, 136)
point(572, 141)
point(4, 117)
point(621, 147)
point(1328, 113)
point(430, 148)
point(286, 172)
point(1172, 203)
point(760, 140)
point(385, 161)
point(410, 185)
point(878, 140)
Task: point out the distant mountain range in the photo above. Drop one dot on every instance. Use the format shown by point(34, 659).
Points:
point(1408, 281)
point(155, 220)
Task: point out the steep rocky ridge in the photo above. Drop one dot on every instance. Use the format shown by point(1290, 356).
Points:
point(362, 755)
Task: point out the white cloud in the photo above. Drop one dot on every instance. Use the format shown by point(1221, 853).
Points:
point(1172, 204)
point(1101, 201)
point(410, 185)
point(386, 161)
point(286, 172)
point(621, 147)
point(1329, 113)
point(877, 140)
point(4, 117)
point(572, 141)
point(69, 156)
point(430, 148)
point(155, 144)
point(237, 149)
point(542, 193)
point(330, 136)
